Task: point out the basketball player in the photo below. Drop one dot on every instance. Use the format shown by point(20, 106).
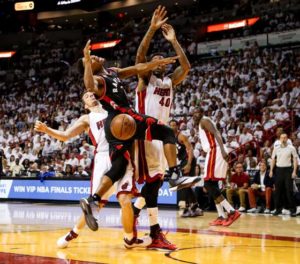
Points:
point(93, 123)
point(215, 167)
point(154, 97)
point(187, 162)
point(105, 83)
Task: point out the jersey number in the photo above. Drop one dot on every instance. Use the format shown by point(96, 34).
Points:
point(164, 102)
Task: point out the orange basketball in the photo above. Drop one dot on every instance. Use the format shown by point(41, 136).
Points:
point(123, 126)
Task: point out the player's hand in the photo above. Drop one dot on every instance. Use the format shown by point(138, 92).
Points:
point(159, 17)
point(40, 127)
point(271, 174)
point(168, 32)
point(87, 51)
point(186, 169)
point(254, 186)
point(165, 61)
point(225, 155)
point(294, 175)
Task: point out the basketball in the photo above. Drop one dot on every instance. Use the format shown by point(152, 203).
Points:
point(123, 127)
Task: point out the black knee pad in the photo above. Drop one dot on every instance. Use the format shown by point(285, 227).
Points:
point(118, 168)
point(150, 193)
point(212, 189)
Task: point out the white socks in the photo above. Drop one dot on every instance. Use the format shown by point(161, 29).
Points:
point(220, 210)
point(227, 206)
point(153, 215)
point(76, 230)
point(140, 203)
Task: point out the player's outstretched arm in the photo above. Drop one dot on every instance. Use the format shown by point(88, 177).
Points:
point(92, 83)
point(81, 125)
point(142, 68)
point(158, 19)
point(180, 72)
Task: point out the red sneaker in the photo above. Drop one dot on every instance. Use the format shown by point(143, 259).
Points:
point(161, 243)
point(217, 222)
point(231, 218)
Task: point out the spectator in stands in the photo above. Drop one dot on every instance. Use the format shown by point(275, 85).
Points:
point(261, 186)
point(73, 161)
point(245, 136)
point(267, 121)
point(85, 162)
point(239, 183)
point(68, 171)
point(81, 173)
point(282, 115)
point(16, 168)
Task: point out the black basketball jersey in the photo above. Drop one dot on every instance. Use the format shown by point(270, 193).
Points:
point(114, 91)
point(182, 154)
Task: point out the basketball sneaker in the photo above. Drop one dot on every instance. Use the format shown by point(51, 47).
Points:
point(196, 212)
point(231, 218)
point(88, 205)
point(64, 241)
point(187, 213)
point(217, 222)
point(161, 243)
point(137, 242)
point(183, 182)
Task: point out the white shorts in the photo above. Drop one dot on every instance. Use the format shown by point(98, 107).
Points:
point(215, 167)
point(102, 165)
point(150, 160)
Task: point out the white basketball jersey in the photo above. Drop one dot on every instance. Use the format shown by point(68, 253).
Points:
point(156, 99)
point(207, 139)
point(96, 131)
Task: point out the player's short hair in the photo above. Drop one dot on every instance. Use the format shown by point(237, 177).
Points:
point(80, 66)
point(156, 54)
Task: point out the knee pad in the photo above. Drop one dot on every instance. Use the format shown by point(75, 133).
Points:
point(118, 168)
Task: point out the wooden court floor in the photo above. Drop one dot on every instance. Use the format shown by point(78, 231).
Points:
point(28, 234)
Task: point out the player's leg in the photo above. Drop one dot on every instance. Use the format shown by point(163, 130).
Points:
point(64, 241)
point(150, 193)
point(118, 167)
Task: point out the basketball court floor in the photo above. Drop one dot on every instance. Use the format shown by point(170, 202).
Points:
point(28, 234)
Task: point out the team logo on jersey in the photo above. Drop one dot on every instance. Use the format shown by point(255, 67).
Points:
point(162, 92)
point(125, 186)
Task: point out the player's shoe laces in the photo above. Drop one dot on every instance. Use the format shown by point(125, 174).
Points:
point(231, 218)
point(217, 222)
point(87, 205)
point(137, 242)
point(63, 241)
point(161, 243)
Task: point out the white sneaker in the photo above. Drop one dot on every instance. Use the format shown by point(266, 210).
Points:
point(242, 209)
point(273, 211)
point(138, 242)
point(252, 211)
point(285, 212)
point(64, 241)
point(298, 210)
point(267, 211)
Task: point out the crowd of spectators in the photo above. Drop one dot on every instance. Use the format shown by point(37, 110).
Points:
point(248, 93)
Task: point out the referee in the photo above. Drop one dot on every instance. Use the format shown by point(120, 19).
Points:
point(282, 157)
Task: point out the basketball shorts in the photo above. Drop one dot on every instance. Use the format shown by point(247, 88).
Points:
point(215, 167)
point(102, 165)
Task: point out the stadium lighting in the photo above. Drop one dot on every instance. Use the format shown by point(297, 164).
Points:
point(23, 6)
point(105, 44)
point(6, 54)
point(232, 24)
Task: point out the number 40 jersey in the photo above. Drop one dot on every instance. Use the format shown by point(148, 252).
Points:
point(156, 99)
